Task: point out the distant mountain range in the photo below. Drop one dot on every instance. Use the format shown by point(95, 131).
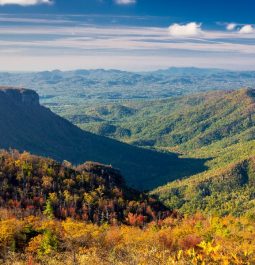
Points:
point(72, 87)
point(26, 125)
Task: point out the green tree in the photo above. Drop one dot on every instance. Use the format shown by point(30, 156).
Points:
point(49, 212)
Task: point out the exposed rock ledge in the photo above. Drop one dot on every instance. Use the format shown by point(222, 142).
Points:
point(20, 95)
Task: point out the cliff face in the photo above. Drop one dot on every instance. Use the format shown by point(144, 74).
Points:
point(20, 95)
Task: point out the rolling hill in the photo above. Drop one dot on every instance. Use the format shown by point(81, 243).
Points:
point(26, 125)
point(67, 88)
point(182, 123)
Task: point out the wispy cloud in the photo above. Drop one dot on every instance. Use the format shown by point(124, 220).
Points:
point(187, 30)
point(54, 44)
point(125, 2)
point(24, 2)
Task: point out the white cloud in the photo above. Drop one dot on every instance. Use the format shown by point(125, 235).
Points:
point(247, 29)
point(188, 30)
point(125, 2)
point(24, 2)
point(231, 26)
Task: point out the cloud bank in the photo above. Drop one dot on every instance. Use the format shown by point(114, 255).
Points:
point(24, 2)
point(57, 44)
point(188, 30)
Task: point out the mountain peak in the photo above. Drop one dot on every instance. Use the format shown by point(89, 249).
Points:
point(20, 95)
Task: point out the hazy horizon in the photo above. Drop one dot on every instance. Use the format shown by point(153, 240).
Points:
point(127, 35)
point(127, 70)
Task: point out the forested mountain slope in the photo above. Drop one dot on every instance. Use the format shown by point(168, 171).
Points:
point(183, 123)
point(226, 190)
point(218, 126)
point(92, 192)
point(26, 125)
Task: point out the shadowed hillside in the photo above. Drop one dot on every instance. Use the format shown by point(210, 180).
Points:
point(26, 125)
point(220, 191)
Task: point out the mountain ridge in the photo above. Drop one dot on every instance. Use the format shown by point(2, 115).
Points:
point(92, 192)
point(34, 128)
point(80, 86)
point(185, 123)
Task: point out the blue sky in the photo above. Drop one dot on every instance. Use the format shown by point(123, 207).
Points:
point(126, 34)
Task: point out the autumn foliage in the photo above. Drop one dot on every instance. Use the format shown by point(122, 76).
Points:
point(32, 185)
point(52, 213)
point(190, 240)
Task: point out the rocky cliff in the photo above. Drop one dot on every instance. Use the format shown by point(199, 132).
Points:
point(20, 95)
